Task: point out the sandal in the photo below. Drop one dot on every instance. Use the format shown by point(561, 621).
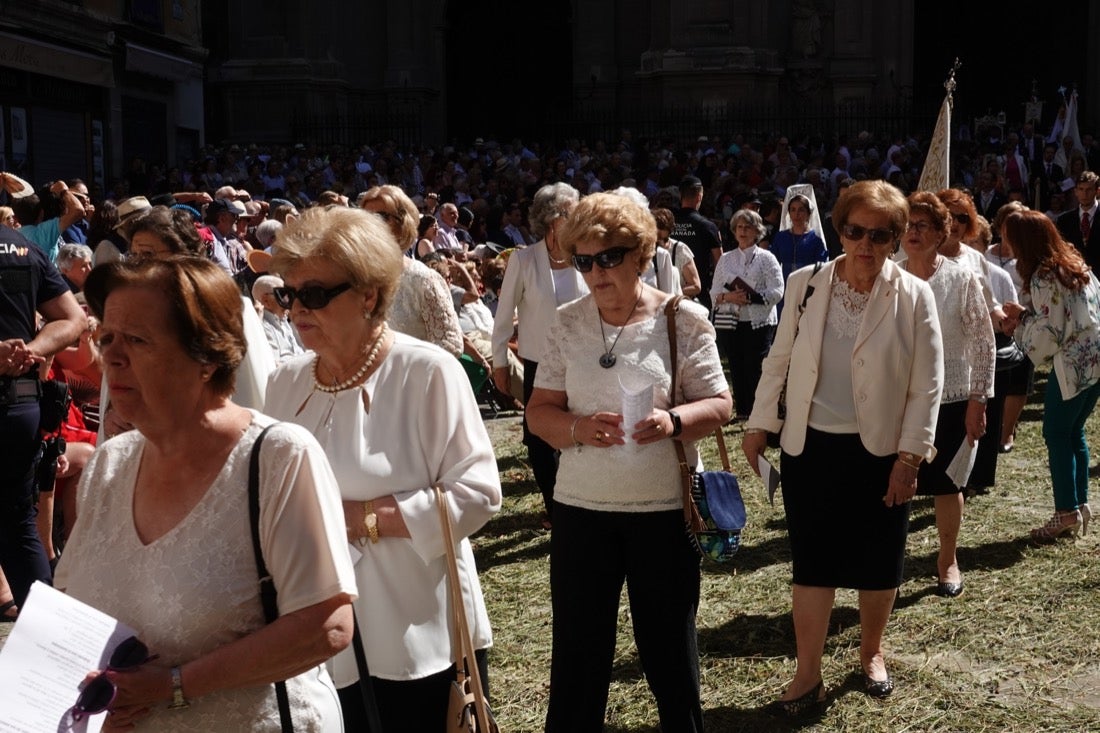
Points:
point(8, 611)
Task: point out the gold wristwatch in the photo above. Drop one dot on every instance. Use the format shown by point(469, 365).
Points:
point(370, 521)
point(178, 700)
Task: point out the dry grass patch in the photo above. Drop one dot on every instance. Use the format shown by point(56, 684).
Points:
point(1019, 650)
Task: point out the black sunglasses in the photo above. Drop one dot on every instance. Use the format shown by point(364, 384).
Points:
point(963, 219)
point(98, 694)
point(313, 297)
point(856, 233)
point(609, 258)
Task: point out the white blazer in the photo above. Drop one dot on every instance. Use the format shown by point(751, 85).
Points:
point(528, 290)
point(897, 363)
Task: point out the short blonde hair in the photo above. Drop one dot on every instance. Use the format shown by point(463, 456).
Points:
point(614, 221)
point(356, 241)
point(400, 213)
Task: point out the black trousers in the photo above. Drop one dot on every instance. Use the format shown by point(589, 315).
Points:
point(407, 706)
point(591, 554)
point(745, 348)
point(543, 456)
point(21, 553)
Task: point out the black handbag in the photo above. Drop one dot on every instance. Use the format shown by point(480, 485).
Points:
point(714, 511)
point(269, 599)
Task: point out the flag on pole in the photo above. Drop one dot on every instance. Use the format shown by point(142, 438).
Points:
point(936, 174)
point(1071, 131)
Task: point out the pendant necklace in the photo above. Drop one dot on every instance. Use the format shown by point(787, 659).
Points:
point(608, 359)
point(354, 379)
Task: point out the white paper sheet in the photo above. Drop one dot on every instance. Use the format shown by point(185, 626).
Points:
point(637, 396)
point(53, 646)
point(962, 464)
point(769, 474)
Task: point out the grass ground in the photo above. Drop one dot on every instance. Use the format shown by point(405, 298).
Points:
point(1018, 651)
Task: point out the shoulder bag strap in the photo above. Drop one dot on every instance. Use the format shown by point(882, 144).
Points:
point(467, 657)
point(691, 512)
point(268, 593)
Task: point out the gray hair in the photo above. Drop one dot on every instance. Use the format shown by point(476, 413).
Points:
point(752, 218)
point(550, 202)
point(71, 253)
point(267, 231)
point(264, 285)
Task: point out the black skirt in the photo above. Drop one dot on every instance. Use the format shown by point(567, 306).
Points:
point(842, 533)
point(932, 477)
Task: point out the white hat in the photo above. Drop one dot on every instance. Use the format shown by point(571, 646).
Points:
point(132, 207)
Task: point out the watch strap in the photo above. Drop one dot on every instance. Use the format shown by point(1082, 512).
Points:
point(178, 700)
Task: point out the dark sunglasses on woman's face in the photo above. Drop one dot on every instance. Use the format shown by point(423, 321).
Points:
point(963, 219)
point(98, 694)
point(609, 258)
point(856, 233)
point(313, 297)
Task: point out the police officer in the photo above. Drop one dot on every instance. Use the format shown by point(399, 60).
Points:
point(28, 283)
point(698, 233)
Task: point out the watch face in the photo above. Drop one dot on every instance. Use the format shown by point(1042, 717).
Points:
point(372, 520)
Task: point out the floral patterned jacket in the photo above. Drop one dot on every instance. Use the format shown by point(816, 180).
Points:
point(1063, 327)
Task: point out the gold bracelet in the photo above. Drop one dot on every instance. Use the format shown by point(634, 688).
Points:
point(915, 466)
point(573, 432)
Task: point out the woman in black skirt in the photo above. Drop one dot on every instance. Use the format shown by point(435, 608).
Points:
point(968, 358)
point(860, 356)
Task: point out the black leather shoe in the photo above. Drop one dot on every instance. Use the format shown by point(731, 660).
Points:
point(949, 590)
point(878, 689)
point(812, 703)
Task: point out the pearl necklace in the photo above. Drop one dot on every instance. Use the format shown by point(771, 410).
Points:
point(354, 379)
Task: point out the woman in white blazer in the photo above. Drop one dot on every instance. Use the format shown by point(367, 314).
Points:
point(860, 353)
point(537, 280)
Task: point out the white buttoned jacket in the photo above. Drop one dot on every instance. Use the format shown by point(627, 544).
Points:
point(897, 363)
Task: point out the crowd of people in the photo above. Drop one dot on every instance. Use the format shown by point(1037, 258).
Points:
point(334, 306)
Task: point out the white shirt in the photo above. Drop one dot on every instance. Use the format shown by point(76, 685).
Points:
point(414, 422)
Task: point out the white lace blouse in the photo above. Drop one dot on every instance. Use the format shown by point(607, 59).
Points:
point(969, 349)
point(627, 478)
point(422, 308)
point(195, 588)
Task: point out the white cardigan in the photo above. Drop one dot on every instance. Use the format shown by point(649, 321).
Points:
point(897, 364)
point(529, 290)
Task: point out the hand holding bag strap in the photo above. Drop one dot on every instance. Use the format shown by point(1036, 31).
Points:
point(691, 512)
point(268, 593)
point(466, 642)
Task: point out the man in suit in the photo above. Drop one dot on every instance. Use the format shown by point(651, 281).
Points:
point(1046, 177)
point(1078, 225)
point(988, 199)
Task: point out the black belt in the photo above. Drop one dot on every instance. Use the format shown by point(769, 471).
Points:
point(18, 390)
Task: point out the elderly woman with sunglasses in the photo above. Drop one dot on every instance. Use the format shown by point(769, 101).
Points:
point(620, 482)
point(396, 416)
point(969, 354)
point(859, 356)
point(164, 538)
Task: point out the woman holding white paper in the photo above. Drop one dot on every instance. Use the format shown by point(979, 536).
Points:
point(163, 542)
point(608, 495)
point(969, 355)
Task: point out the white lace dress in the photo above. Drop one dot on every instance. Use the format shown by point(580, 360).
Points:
point(195, 588)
